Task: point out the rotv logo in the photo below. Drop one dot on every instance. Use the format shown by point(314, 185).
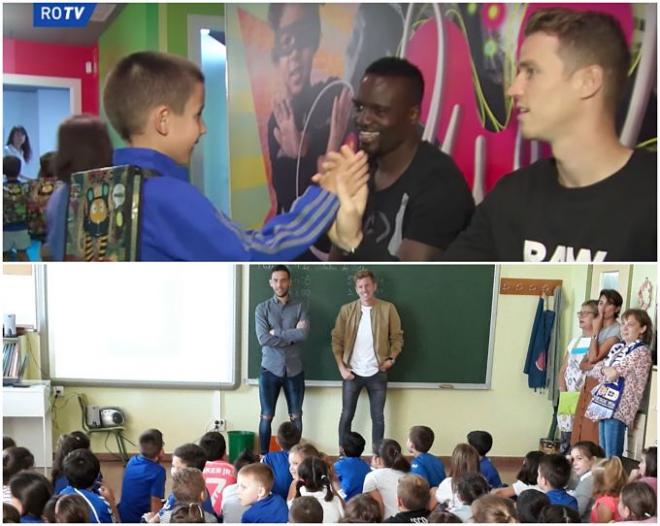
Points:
point(61, 15)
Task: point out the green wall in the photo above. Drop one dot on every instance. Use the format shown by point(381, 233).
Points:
point(142, 27)
point(135, 29)
point(177, 23)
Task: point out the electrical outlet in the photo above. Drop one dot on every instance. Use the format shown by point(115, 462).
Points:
point(220, 425)
point(58, 390)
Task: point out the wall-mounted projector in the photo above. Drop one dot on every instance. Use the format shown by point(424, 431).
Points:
point(104, 416)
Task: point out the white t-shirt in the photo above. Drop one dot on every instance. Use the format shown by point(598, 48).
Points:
point(363, 359)
point(332, 510)
point(384, 480)
point(444, 494)
point(519, 486)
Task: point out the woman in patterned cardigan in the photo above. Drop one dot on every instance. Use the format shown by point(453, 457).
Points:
point(622, 375)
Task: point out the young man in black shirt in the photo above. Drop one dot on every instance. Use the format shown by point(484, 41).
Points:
point(418, 199)
point(595, 199)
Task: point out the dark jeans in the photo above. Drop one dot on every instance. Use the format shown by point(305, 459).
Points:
point(377, 389)
point(269, 391)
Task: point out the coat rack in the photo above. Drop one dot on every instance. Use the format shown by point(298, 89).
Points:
point(529, 287)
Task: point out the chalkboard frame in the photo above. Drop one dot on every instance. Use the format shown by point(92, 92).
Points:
point(486, 385)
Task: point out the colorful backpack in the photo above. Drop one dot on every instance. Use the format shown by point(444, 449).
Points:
point(103, 214)
point(40, 192)
point(14, 202)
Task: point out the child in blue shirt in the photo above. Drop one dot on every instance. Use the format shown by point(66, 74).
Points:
point(81, 468)
point(430, 467)
point(155, 102)
point(288, 435)
point(255, 482)
point(350, 468)
point(482, 441)
point(554, 474)
point(143, 487)
point(30, 492)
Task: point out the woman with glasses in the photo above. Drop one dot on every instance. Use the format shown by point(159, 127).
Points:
point(604, 334)
point(571, 377)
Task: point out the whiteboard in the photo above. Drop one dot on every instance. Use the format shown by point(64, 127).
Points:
point(150, 325)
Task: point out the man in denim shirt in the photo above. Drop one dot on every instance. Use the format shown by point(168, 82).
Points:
point(282, 325)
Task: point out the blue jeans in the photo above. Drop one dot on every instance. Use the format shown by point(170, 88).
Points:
point(377, 390)
point(611, 434)
point(269, 391)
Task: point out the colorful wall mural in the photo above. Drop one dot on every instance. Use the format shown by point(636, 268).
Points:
point(292, 69)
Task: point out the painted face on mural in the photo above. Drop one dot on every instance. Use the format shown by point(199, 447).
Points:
point(544, 92)
point(187, 128)
point(294, 48)
point(384, 115)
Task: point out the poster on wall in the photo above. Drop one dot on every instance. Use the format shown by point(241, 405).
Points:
point(293, 70)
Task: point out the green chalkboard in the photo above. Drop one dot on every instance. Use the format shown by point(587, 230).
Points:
point(447, 315)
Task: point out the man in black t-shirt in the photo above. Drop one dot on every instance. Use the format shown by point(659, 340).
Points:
point(418, 198)
point(595, 199)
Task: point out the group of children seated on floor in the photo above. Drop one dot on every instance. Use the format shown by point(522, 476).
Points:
point(300, 484)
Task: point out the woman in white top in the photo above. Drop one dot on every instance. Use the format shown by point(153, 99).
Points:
point(571, 376)
point(314, 481)
point(464, 459)
point(18, 145)
point(389, 466)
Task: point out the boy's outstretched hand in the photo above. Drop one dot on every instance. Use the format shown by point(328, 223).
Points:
point(346, 173)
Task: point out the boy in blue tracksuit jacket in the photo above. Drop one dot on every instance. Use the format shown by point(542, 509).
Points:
point(155, 100)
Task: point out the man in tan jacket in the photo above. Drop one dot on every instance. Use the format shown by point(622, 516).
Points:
point(366, 341)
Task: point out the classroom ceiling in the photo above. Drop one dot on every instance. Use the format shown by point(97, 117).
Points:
point(17, 23)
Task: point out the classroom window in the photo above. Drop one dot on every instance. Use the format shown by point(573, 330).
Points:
point(142, 324)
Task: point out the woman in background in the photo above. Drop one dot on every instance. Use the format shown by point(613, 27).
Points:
point(83, 144)
point(605, 333)
point(18, 145)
